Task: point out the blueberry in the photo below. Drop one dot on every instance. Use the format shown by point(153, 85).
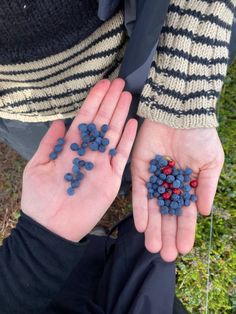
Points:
point(68, 176)
point(58, 148)
point(167, 202)
point(171, 211)
point(180, 177)
point(161, 202)
point(61, 141)
point(186, 178)
point(162, 176)
point(170, 178)
point(164, 210)
point(113, 152)
point(193, 198)
point(173, 204)
point(53, 156)
point(178, 211)
point(101, 148)
point(186, 202)
point(76, 161)
point(150, 190)
point(176, 184)
point(175, 197)
point(82, 127)
point(153, 162)
point(148, 185)
point(155, 186)
point(98, 140)
point(79, 176)
point(95, 133)
point(75, 184)
point(74, 146)
point(159, 182)
point(181, 202)
point(81, 151)
point(150, 196)
point(84, 145)
point(104, 128)
point(163, 162)
point(158, 172)
point(89, 165)
point(187, 188)
point(152, 168)
point(70, 191)
point(174, 171)
point(105, 141)
point(161, 190)
point(81, 163)
point(186, 196)
point(75, 169)
point(156, 194)
point(86, 138)
point(94, 146)
point(158, 157)
point(91, 126)
point(180, 172)
point(101, 134)
point(153, 179)
point(188, 171)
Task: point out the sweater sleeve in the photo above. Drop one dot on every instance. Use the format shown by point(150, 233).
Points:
point(190, 64)
point(34, 264)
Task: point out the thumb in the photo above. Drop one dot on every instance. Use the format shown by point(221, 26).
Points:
point(48, 142)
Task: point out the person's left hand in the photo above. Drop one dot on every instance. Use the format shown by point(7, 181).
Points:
point(199, 149)
point(44, 196)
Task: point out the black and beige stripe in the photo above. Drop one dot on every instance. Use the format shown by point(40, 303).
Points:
point(190, 64)
point(56, 86)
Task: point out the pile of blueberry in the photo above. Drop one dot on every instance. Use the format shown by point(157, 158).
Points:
point(92, 139)
point(170, 186)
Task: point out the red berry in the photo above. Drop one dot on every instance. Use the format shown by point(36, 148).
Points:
point(166, 195)
point(170, 186)
point(171, 163)
point(166, 185)
point(167, 170)
point(176, 191)
point(194, 183)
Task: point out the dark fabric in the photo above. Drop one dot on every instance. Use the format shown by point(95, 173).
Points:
point(43, 273)
point(36, 29)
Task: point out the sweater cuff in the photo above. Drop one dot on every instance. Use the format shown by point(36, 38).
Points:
point(190, 64)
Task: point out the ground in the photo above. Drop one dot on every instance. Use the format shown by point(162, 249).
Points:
point(192, 268)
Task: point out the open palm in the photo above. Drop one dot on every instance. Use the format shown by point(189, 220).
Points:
point(44, 196)
point(199, 149)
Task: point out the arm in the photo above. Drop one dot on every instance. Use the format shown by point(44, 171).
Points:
point(43, 249)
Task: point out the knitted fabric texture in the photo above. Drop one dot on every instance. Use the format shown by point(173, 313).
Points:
point(190, 64)
point(43, 78)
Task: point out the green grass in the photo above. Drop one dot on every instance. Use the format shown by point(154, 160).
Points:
point(192, 269)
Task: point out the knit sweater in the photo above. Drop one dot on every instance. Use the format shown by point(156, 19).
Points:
point(47, 76)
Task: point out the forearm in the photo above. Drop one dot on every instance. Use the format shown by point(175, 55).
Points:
point(188, 70)
point(34, 264)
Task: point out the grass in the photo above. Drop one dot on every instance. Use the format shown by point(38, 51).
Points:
point(192, 268)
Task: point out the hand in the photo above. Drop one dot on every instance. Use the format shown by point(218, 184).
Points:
point(199, 149)
point(44, 196)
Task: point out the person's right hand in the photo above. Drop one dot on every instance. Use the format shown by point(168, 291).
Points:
point(44, 196)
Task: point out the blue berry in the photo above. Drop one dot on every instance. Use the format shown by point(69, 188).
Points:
point(164, 210)
point(173, 205)
point(161, 190)
point(104, 128)
point(82, 127)
point(181, 202)
point(188, 171)
point(81, 163)
point(186, 202)
point(113, 152)
point(105, 141)
point(171, 211)
point(159, 182)
point(95, 133)
point(174, 171)
point(193, 198)
point(102, 148)
point(158, 157)
point(150, 190)
point(94, 146)
point(175, 197)
point(150, 196)
point(155, 186)
point(152, 168)
point(76, 161)
point(162, 176)
point(156, 194)
point(167, 202)
point(186, 178)
point(153, 179)
point(86, 139)
point(74, 146)
point(163, 162)
point(148, 185)
point(98, 140)
point(158, 172)
point(53, 156)
point(91, 127)
point(75, 184)
point(186, 196)
point(170, 178)
point(68, 177)
point(89, 165)
point(75, 169)
point(180, 177)
point(160, 202)
point(79, 176)
point(84, 145)
point(187, 188)
point(153, 162)
point(70, 191)
point(176, 184)
point(178, 211)
point(61, 141)
point(58, 148)
point(101, 134)
point(81, 151)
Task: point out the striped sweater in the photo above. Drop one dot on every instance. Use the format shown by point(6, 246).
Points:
point(183, 84)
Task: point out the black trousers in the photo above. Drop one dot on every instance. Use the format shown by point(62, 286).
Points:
point(119, 276)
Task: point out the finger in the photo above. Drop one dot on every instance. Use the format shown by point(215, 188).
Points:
point(206, 190)
point(119, 161)
point(186, 226)
point(168, 233)
point(153, 232)
point(140, 204)
point(46, 146)
point(109, 103)
point(119, 118)
point(90, 106)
